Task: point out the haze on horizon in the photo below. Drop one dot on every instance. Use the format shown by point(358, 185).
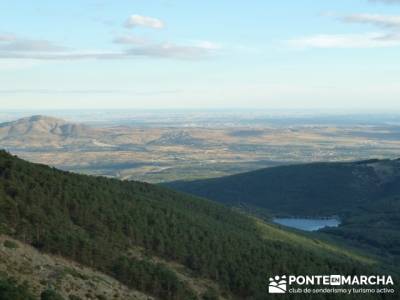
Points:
point(164, 54)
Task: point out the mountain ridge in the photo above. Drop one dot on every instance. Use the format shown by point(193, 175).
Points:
point(286, 183)
point(38, 125)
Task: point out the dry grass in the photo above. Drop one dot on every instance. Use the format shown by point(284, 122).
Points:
point(69, 278)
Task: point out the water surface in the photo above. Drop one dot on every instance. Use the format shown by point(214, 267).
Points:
point(307, 224)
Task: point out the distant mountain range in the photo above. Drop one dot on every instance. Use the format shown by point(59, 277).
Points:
point(43, 131)
point(365, 195)
point(47, 132)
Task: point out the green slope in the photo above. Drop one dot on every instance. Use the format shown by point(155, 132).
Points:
point(274, 233)
point(365, 195)
point(99, 222)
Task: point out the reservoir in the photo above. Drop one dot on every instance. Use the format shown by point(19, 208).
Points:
point(307, 224)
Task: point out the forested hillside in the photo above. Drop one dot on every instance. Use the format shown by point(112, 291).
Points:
point(365, 195)
point(10, 289)
point(100, 222)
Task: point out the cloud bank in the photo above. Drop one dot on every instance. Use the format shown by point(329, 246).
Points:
point(13, 47)
point(374, 19)
point(386, 1)
point(19, 48)
point(389, 36)
point(343, 41)
point(130, 40)
point(143, 21)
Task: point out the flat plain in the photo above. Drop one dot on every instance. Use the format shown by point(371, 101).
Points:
point(166, 146)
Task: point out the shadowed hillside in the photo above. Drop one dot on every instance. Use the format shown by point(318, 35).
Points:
point(365, 195)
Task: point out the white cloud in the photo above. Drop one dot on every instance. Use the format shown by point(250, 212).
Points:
point(367, 40)
point(374, 19)
point(28, 45)
point(390, 37)
point(7, 38)
point(207, 45)
point(386, 1)
point(130, 40)
point(28, 49)
point(171, 50)
point(143, 21)
point(13, 47)
point(162, 50)
point(65, 55)
point(88, 91)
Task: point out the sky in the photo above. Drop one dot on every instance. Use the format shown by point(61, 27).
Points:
point(156, 54)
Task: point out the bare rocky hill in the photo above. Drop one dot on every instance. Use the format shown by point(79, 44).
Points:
point(43, 131)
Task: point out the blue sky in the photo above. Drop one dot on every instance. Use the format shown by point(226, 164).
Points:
point(304, 54)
